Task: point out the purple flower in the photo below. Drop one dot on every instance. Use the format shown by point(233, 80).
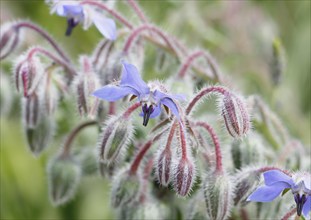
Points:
point(77, 13)
point(151, 96)
point(277, 181)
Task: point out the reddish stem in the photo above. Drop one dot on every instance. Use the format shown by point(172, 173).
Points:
point(110, 11)
point(142, 152)
point(183, 142)
point(215, 139)
point(289, 214)
point(195, 55)
point(139, 12)
point(203, 92)
point(130, 110)
point(35, 50)
point(264, 169)
point(72, 135)
point(112, 108)
point(135, 33)
point(44, 34)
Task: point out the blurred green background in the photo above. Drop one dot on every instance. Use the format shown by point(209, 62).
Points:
point(238, 33)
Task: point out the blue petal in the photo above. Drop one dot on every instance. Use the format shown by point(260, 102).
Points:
point(130, 77)
point(156, 112)
point(307, 207)
point(106, 27)
point(267, 193)
point(171, 105)
point(275, 176)
point(112, 93)
point(72, 10)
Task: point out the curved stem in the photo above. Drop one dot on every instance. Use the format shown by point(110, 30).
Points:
point(143, 151)
point(110, 11)
point(264, 169)
point(101, 48)
point(137, 9)
point(289, 214)
point(135, 33)
point(35, 50)
point(44, 34)
point(183, 142)
point(72, 135)
point(203, 92)
point(189, 61)
point(215, 140)
point(130, 110)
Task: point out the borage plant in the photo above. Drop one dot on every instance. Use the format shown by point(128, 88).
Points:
point(174, 168)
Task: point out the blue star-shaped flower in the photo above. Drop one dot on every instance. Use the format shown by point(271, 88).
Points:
point(77, 13)
point(151, 96)
point(277, 181)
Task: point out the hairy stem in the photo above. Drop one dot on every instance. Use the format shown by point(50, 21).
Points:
point(130, 110)
point(215, 140)
point(267, 168)
point(44, 34)
point(203, 92)
point(137, 32)
point(191, 58)
point(289, 214)
point(72, 135)
point(138, 10)
point(143, 151)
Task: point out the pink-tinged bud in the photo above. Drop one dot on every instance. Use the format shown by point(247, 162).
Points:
point(9, 39)
point(184, 177)
point(246, 181)
point(28, 74)
point(114, 139)
point(32, 108)
point(235, 114)
point(64, 175)
point(125, 188)
point(164, 166)
point(86, 82)
point(218, 192)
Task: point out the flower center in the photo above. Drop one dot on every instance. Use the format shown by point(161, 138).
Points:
point(147, 111)
point(300, 201)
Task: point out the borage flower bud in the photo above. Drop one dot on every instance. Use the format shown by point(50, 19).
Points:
point(115, 137)
point(246, 181)
point(218, 195)
point(164, 166)
point(88, 160)
point(235, 114)
point(31, 110)
point(184, 176)
point(86, 82)
point(9, 39)
point(63, 178)
point(125, 188)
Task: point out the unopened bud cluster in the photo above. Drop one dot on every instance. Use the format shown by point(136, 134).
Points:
point(164, 153)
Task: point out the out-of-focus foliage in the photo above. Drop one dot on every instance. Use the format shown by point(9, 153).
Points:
point(239, 34)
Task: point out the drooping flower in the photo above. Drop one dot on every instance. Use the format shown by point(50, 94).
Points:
point(277, 182)
point(85, 15)
point(151, 96)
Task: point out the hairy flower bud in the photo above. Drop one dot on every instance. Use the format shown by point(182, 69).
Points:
point(9, 39)
point(32, 110)
point(218, 195)
point(246, 152)
point(86, 82)
point(63, 178)
point(164, 166)
point(125, 188)
point(246, 181)
point(235, 114)
point(107, 170)
point(88, 160)
point(115, 136)
point(184, 176)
